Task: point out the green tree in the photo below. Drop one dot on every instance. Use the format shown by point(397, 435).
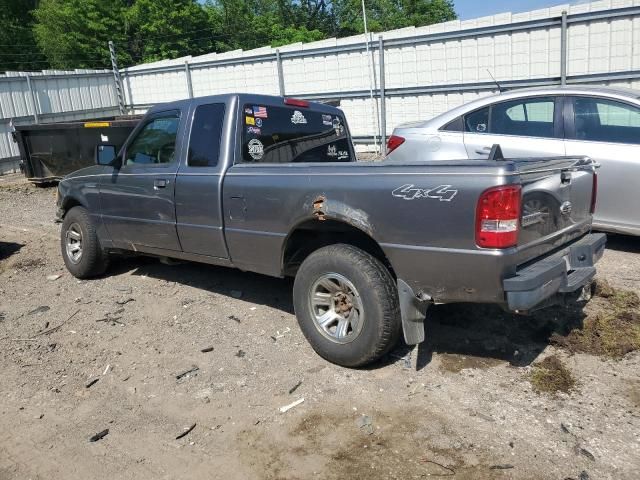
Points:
point(251, 24)
point(18, 48)
point(161, 29)
point(388, 14)
point(75, 33)
point(36, 34)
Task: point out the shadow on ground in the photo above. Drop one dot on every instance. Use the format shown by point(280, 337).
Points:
point(623, 243)
point(254, 288)
point(9, 248)
point(486, 333)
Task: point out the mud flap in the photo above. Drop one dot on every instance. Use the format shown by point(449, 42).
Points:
point(413, 311)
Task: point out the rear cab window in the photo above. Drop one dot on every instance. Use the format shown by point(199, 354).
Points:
point(288, 134)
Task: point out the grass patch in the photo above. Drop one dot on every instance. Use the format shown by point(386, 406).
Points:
point(551, 376)
point(613, 331)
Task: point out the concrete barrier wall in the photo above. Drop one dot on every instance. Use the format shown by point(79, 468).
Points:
point(428, 70)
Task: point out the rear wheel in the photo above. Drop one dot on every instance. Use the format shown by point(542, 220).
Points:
point(346, 303)
point(81, 250)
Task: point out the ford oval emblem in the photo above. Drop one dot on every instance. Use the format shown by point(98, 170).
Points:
point(565, 208)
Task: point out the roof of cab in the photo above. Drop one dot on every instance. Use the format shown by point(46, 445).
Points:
point(269, 100)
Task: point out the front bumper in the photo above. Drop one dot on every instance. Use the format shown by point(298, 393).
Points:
point(563, 272)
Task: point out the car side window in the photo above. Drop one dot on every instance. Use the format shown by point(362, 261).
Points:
point(478, 121)
point(206, 132)
point(531, 117)
point(155, 143)
point(601, 120)
point(528, 118)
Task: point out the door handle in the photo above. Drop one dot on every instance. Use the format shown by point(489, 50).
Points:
point(483, 150)
point(160, 183)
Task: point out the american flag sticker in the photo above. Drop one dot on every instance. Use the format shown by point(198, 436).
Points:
point(260, 112)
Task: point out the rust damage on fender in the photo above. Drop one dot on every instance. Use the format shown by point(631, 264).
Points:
point(318, 208)
point(327, 209)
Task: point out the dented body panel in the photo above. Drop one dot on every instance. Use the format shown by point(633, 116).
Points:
point(419, 216)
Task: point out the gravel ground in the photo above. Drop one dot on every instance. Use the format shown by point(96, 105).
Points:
point(460, 406)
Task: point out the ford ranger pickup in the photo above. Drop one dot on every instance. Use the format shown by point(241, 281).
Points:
point(271, 185)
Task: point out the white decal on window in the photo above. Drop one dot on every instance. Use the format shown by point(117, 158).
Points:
point(337, 125)
point(298, 117)
point(331, 151)
point(342, 154)
point(256, 149)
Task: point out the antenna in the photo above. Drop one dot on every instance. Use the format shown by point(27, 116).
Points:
point(500, 89)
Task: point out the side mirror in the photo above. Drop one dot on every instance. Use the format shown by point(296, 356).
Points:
point(105, 154)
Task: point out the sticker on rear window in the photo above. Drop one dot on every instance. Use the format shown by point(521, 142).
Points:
point(250, 120)
point(337, 125)
point(332, 151)
point(254, 130)
point(256, 149)
point(260, 112)
point(298, 117)
point(327, 120)
point(248, 111)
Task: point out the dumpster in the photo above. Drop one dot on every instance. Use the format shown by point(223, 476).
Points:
point(49, 151)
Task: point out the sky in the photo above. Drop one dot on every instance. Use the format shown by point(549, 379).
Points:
point(467, 9)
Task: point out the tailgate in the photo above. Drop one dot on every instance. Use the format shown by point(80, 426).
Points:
point(556, 201)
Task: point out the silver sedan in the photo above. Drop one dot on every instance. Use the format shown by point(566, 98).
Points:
point(600, 122)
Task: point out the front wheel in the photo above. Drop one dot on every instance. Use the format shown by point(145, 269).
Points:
point(81, 250)
point(346, 303)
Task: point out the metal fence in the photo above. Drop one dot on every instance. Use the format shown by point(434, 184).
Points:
point(48, 96)
point(416, 73)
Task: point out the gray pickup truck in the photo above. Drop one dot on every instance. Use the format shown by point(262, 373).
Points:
point(272, 185)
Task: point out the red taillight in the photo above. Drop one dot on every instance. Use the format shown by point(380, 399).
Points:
point(393, 143)
point(498, 217)
point(294, 102)
point(594, 193)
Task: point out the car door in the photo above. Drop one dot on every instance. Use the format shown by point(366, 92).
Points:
point(525, 127)
point(199, 182)
point(608, 131)
point(137, 199)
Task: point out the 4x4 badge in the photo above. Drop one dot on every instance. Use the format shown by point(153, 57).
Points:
point(444, 193)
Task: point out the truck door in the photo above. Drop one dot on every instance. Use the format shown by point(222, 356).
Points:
point(137, 199)
point(199, 183)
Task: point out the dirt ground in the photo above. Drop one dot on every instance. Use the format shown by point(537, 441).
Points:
point(461, 406)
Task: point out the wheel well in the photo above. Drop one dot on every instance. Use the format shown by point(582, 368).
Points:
point(312, 235)
point(69, 203)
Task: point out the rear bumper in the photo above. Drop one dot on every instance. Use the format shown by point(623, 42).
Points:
point(563, 272)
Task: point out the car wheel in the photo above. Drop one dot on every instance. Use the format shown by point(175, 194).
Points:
point(346, 303)
point(81, 250)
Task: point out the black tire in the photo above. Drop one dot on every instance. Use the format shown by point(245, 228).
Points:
point(92, 261)
point(377, 296)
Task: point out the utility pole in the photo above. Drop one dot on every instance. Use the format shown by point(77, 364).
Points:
point(116, 77)
point(374, 106)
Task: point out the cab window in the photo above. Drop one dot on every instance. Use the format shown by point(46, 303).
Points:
point(603, 120)
point(206, 132)
point(155, 143)
point(279, 134)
